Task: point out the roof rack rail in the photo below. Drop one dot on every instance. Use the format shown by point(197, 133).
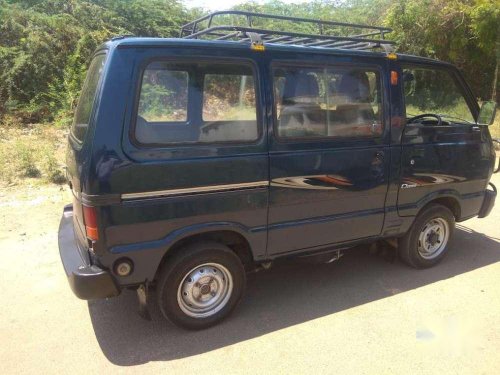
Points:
point(327, 34)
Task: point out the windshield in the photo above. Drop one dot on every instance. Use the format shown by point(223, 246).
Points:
point(434, 91)
point(87, 96)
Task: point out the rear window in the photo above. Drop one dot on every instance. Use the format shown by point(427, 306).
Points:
point(87, 97)
point(196, 103)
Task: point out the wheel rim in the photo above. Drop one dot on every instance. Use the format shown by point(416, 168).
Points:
point(433, 238)
point(205, 290)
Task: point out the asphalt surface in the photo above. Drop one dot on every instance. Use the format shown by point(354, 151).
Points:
point(364, 314)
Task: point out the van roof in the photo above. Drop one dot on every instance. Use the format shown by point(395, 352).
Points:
point(147, 42)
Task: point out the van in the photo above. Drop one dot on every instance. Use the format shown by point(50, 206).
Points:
point(195, 160)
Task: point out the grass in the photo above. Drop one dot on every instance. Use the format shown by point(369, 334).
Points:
point(32, 155)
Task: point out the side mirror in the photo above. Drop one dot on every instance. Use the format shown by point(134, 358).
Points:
point(487, 113)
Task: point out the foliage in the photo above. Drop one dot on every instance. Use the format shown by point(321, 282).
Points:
point(463, 32)
point(46, 45)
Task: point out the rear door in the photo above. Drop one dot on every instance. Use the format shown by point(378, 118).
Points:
point(329, 154)
point(77, 155)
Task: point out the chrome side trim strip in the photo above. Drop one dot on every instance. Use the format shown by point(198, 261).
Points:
point(195, 190)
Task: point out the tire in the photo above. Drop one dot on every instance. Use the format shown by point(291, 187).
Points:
point(427, 241)
point(200, 285)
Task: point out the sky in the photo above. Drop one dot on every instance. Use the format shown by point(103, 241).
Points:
point(225, 4)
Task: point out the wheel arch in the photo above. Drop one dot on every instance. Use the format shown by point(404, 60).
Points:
point(448, 198)
point(450, 202)
point(233, 237)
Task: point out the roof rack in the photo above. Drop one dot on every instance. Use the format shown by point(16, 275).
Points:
point(319, 33)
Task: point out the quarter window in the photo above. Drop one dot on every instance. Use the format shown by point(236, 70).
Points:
point(196, 103)
point(87, 97)
point(318, 102)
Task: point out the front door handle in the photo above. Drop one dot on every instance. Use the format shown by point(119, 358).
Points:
point(379, 155)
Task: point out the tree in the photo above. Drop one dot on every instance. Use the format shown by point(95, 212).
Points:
point(46, 46)
point(458, 31)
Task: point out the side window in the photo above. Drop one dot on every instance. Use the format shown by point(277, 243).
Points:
point(196, 103)
point(434, 91)
point(87, 97)
point(164, 95)
point(327, 102)
point(229, 97)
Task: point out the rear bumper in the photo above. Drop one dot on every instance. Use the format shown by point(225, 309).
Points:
point(87, 281)
point(488, 202)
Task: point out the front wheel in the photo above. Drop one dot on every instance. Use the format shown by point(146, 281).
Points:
point(201, 285)
point(426, 243)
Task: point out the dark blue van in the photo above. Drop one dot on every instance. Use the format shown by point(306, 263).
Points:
point(194, 160)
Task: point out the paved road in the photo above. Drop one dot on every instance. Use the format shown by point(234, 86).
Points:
point(362, 314)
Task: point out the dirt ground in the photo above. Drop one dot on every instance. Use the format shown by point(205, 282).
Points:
point(360, 315)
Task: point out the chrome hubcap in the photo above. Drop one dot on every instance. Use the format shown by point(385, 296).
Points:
point(433, 238)
point(205, 290)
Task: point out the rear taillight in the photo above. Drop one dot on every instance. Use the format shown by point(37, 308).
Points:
point(90, 220)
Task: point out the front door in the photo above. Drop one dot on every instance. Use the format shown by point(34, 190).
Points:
point(329, 155)
point(443, 152)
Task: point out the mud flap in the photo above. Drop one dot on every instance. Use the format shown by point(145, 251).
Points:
point(142, 296)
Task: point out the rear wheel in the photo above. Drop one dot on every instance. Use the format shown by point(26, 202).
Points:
point(426, 243)
point(201, 285)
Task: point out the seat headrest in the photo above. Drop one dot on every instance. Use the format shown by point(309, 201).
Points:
point(301, 85)
point(355, 86)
